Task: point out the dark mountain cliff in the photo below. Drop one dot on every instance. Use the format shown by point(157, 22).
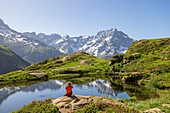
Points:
point(9, 61)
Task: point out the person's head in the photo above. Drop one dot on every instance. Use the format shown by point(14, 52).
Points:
point(69, 83)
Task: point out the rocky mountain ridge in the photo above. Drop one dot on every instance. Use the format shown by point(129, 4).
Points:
point(105, 44)
point(28, 48)
point(36, 47)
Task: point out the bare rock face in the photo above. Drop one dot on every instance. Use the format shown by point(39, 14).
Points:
point(68, 104)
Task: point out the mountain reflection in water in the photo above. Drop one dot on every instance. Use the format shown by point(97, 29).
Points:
point(102, 86)
point(52, 89)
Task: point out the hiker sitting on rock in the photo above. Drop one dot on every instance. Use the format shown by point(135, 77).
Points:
point(68, 89)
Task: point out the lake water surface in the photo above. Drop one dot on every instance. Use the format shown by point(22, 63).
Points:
point(13, 98)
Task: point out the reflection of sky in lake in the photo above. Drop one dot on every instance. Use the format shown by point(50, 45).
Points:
point(12, 98)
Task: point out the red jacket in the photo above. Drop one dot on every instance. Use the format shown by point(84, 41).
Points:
point(69, 90)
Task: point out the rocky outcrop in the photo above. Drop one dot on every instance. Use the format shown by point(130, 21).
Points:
point(154, 110)
point(71, 104)
point(67, 104)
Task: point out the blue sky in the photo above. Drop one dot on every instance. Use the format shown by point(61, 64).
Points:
point(137, 18)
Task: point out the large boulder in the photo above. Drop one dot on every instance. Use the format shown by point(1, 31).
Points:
point(67, 104)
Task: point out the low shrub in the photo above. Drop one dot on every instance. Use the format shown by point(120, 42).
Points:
point(107, 107)
point(38, 107)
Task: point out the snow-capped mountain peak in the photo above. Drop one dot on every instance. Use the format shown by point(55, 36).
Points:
point(67, 37)
point(26, 47)
point(105, 44)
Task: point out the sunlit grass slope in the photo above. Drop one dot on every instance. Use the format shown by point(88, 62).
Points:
point(76, 64)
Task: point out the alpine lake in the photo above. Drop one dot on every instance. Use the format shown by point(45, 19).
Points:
point(14, 97)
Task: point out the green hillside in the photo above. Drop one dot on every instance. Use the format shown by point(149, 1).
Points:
point(147, 64)
point(146, 59)
point(76, 64)
point(155, 56)
point(9, 61)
